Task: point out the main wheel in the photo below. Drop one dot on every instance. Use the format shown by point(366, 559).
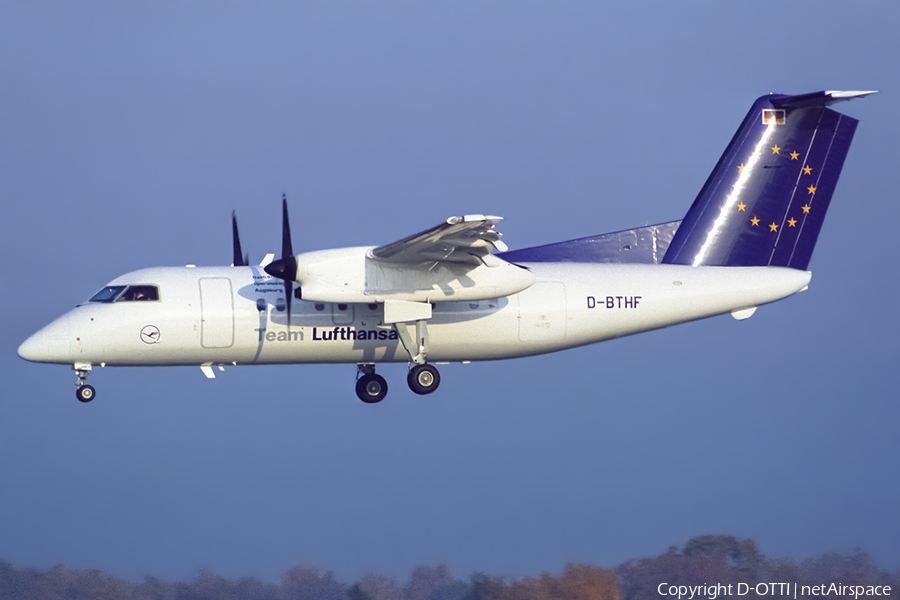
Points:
point(371, 388)
point(423, 379)
point(85, 393)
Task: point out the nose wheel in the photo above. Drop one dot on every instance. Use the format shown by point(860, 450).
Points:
point(83, 391)
point(423, 379)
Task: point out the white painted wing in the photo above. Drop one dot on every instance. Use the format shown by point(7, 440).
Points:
point(465, 239)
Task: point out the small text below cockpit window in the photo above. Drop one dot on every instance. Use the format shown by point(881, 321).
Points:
point(127, 293)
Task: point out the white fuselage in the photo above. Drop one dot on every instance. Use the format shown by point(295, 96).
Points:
point(237, 315)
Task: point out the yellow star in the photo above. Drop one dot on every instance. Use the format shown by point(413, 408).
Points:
point(792, 222)
point(811, 189)
point(806, 209)
point(741, 168)
point(794, 156)
point(773, 227)
point(775, 149)
point(741, 206)
point(807, 170)
point(754, 221)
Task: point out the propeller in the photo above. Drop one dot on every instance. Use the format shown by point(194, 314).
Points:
point(286, 267)
point(240, 260)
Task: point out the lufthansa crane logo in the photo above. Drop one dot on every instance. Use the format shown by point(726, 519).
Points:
point(150, 334)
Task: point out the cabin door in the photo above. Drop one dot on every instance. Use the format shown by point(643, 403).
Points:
point(216, 313)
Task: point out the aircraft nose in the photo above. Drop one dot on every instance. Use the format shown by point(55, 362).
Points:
point(50, 344)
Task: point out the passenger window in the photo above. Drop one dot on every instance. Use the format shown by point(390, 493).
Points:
point(320, 306)
point(139, 293)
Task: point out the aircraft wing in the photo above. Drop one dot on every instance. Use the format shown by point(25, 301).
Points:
point(467, 239)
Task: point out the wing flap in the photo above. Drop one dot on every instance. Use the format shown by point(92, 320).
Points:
point(466, 239)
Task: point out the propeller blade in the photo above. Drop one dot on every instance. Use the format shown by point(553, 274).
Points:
point(288, 292)
point(240, 259)
point(286, 267)
point(287, 249)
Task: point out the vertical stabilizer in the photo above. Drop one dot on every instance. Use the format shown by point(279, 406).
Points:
point(765, 201)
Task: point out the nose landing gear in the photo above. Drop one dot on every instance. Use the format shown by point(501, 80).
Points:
point(83, 391)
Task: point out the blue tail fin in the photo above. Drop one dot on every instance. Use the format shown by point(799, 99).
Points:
point(765, 201)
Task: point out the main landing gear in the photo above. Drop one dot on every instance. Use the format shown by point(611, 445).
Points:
point(371, 388)
point(83, 391)
point(423, 379)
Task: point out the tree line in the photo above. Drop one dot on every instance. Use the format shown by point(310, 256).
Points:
point(705, 560)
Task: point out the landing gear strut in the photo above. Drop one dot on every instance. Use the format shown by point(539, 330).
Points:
point(423, 379)
point(83, 391)
point(370, 388)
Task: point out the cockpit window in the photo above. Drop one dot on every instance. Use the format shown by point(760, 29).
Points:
point(139, 293)
point(107, 294)
point(130, 293)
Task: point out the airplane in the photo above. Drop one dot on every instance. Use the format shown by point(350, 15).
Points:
point(456, 293)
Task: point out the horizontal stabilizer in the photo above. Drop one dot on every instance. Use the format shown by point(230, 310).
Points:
point(818, 99)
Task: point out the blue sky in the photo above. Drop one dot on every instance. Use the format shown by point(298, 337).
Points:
point(129, 134)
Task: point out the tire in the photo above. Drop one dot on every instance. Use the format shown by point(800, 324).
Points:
point(371, 388)
point(85, 393)
point(423, 379)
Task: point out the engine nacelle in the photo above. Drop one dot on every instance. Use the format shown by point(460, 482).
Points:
point(350, 275)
